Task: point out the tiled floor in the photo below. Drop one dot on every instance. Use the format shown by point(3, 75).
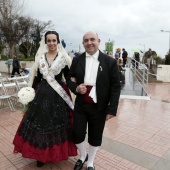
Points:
point(138, 138)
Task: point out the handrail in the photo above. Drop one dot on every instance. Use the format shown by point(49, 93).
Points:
point(141, 73)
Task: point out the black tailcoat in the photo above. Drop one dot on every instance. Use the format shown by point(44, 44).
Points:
point(107, 82)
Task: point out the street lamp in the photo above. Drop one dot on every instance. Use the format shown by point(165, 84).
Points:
point(143, 48)
point(169, 38)
point(75, 47)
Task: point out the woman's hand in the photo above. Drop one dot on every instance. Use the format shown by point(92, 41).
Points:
point(81, 89)
point(73, 79)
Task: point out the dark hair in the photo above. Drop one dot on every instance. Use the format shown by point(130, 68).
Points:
point(52, 32)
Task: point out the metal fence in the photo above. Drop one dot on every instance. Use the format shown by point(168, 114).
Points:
point(140, 72)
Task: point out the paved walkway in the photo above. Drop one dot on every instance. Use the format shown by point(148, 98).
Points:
point(138, 138)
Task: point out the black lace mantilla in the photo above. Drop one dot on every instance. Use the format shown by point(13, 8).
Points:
point(43, 141)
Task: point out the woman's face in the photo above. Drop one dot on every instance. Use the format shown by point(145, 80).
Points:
point(51, 41)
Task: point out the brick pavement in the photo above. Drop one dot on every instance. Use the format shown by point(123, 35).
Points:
point(138, 138)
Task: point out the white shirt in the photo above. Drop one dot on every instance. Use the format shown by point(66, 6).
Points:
point(91, 70)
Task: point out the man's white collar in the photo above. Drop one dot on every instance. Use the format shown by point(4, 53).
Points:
point(94, 55)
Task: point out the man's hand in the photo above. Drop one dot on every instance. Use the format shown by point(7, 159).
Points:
point(81, 89)
point(109, 117)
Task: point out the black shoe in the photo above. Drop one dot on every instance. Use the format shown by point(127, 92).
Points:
point(39, 164)
point(79, 164)
point(90, 168)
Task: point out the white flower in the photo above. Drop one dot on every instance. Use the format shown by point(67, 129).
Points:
point(26, 95)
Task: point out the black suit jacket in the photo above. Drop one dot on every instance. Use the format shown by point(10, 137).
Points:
point(107, 82)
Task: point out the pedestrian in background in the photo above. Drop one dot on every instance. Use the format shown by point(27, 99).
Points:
point(124, 56)
point(137, 58)
point(16, 65)
point(149, 56)
point(63, 43)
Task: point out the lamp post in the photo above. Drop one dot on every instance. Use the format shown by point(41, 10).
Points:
point(169, 38)
point(75, 47)
point(143, 48)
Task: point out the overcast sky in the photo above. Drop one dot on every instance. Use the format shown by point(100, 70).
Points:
point(127, 22)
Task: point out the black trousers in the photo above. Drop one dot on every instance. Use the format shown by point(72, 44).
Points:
point(87, 115)
point(124, 62)
point(15, 70)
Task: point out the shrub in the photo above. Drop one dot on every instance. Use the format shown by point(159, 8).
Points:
point(158, 59)
point(167, 59)
point(20, 57)
point(4, 57)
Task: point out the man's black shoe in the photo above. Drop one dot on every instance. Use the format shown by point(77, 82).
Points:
point(79, 164)
point(90, 168)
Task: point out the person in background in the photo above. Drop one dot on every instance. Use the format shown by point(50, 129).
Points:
point(16, 65)
point(118, 52)
point(124, 56)
point(63, 43)
point(109, 54)
point(137, 58)
point(93, 71)
point(148, 56)
point(119, 63)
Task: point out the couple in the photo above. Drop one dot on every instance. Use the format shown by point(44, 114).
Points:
point(50, 131)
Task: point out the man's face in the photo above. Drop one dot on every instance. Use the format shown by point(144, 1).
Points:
point(91, 42)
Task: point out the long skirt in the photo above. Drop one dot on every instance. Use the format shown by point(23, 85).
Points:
point(45, 132)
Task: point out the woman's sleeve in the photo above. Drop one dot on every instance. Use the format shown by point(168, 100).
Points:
point(37, 79)
point(66, 71)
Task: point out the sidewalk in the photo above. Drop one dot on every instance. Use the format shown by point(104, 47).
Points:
point(138, 138)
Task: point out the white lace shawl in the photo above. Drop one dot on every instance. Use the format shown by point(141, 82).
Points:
point(59, 63)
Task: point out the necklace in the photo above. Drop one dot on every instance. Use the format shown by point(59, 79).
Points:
point(50, 58)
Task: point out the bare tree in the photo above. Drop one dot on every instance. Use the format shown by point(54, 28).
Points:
point(39, 28)
point(17, 29)
point(30, 42)
point(13, 26)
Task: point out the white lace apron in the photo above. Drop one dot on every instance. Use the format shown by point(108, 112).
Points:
point(48, 74)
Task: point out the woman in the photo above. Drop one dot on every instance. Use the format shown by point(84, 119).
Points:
point(45, 133)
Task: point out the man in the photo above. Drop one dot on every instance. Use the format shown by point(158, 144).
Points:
point(63, 43)
point(124, 56)
point(149, 56)
point(97, 88)
point(16, 65)
point(137, 58)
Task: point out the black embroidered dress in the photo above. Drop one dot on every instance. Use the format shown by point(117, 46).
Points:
point(45, 133)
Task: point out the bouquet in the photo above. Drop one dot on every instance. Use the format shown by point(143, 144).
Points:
point(26, 95)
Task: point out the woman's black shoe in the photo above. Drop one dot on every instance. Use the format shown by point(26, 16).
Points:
point(39, 164)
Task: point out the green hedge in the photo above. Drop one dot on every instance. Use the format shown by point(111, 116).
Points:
point(20, 57)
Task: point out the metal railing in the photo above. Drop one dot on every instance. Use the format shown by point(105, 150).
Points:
point(140, 72)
